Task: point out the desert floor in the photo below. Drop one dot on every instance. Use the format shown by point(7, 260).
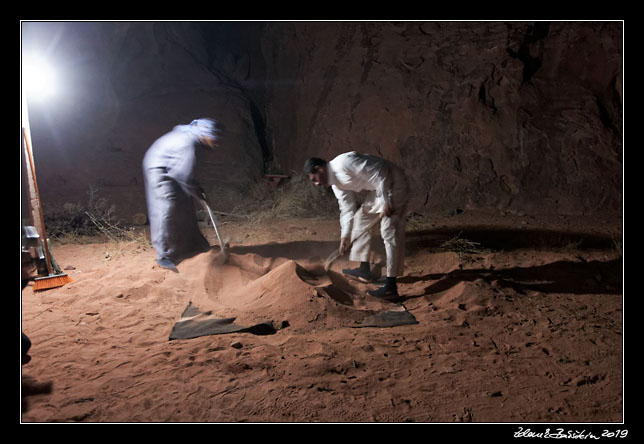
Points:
point(518, 320)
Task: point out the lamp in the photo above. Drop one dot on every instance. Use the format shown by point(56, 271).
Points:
point(38, 78)
point(38, 82)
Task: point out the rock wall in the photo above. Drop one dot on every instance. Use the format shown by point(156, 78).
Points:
point(523, 116)
point(515, 116)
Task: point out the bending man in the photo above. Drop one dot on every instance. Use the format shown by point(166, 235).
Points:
point(170, 186)
point(387, 194)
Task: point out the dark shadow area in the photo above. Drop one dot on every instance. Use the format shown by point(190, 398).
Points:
point(487, 238)
point(593, 277)
point(508, 239)
point(290, 250)
point(337, 295)
point(31, 387)
point(195, 323)
point(263, 329)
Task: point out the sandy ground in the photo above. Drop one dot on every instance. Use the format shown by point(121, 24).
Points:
point(527, 328)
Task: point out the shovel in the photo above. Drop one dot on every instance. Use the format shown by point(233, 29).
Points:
point(222, 246)
point(336, 254)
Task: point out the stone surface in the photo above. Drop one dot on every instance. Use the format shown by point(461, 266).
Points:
point(481, 115)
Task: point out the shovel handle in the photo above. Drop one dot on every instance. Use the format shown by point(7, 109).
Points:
point(212, 219)
point(336, 254)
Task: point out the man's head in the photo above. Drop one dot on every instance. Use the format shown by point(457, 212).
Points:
point(208, 130)
point(316, 170)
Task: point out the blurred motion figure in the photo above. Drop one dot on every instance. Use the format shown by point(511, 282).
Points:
point(170, 186)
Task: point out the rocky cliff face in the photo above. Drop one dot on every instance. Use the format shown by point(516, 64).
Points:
point(523, 116)
point(518, 116)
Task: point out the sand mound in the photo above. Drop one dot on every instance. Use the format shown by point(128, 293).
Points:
point(279, 295)
point(466, 296)
point(253, 289)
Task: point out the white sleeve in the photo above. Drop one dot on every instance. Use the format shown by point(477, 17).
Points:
point(348, 206)
point(183, 171)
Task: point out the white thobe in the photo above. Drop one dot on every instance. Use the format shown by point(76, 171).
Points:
point(169, 170)
point(383, 183)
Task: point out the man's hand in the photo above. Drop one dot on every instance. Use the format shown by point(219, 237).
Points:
point(388, 210)
point(202, 195)
point(345, 245)
point(203, 201)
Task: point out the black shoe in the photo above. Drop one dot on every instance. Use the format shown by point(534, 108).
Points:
point(361, 275)
point(386, 292)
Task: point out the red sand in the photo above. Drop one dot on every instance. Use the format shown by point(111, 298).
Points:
point(510, 335)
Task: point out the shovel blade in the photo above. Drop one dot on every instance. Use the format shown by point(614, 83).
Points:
point(332, 257)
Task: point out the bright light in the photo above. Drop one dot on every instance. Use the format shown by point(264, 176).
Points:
point(38, 78)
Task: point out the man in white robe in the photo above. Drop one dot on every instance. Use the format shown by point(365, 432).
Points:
point(386, 196)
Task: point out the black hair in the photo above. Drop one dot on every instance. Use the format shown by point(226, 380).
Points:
point(311, 165)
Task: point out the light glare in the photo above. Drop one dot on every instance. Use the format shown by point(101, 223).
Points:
point(38, 79)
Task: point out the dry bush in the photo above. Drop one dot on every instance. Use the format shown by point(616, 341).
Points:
point(74, 222)
point(418, 222)
point(297, 197)
point(68, 221)
point(462, 247)
point(300, 198)
point(618, 247)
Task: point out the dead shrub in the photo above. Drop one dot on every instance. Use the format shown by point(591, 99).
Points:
point(297, 197)
point(464, 248)
point(74, 221)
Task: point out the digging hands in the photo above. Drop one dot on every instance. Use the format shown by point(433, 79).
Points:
point(203, 199)
point(345, 245)
point(388, 210)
